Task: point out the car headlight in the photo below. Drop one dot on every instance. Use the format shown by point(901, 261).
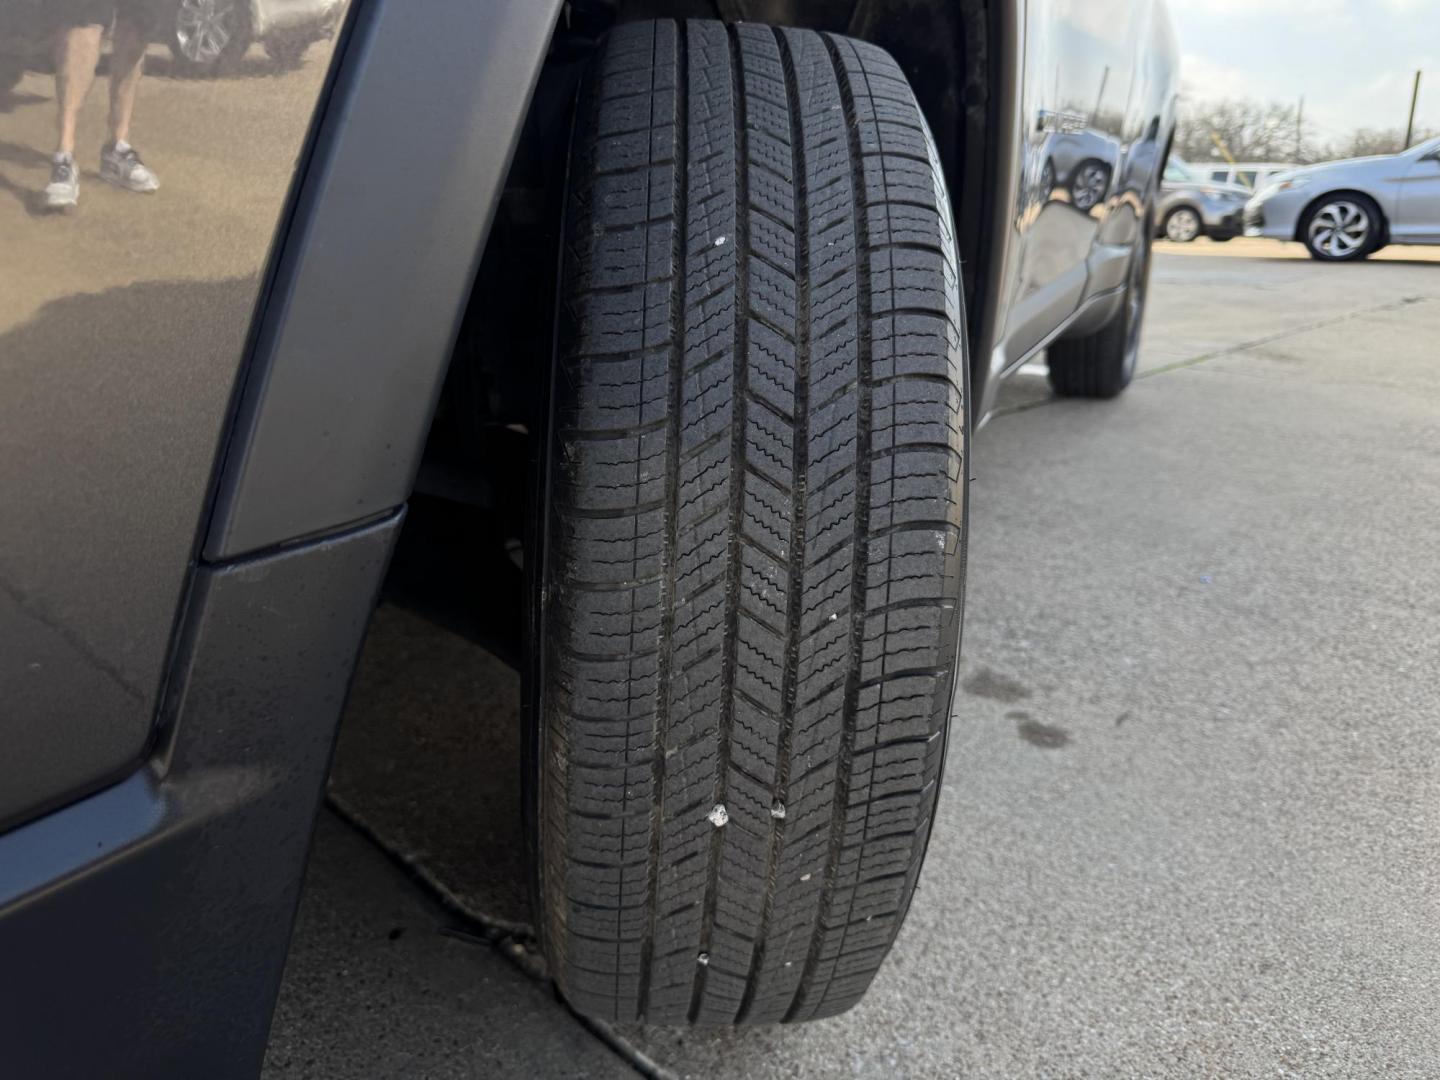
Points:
point(1284, 185)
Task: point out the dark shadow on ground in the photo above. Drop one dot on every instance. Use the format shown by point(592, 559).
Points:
point(429, 763)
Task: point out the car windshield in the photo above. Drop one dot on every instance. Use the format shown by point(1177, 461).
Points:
point(1179, 172)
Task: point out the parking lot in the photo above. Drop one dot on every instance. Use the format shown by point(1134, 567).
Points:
point(1191, 813)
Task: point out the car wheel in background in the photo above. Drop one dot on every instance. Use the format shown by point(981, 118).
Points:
point(1183, 224)
point(751, 591)
point(1089, 185)
point(1102, 364)
point(209, 37)
point(1342, 228)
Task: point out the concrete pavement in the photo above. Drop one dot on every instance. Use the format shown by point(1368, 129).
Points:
point(1192, 802)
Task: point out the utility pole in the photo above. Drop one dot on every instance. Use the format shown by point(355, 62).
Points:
point(1414, 101)
point(1300, 132)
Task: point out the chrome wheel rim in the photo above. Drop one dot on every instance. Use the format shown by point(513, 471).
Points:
point(1340, 229)
point(204, 29)
point(1183, 226)
point(1090, 184)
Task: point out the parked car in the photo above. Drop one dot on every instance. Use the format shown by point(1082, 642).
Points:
point(1191, 207)
point(737, 425)
point(1343, 211)
point(208, 36)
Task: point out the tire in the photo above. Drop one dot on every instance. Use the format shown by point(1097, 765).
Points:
point(1337, 246)
point(754, 550)
point(1089, 184)
point(1183, 225)
point(1223, 238)
point(209, 37)
point(1102, 364)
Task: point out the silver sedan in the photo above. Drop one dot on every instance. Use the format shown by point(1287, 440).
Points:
point(1347, 210)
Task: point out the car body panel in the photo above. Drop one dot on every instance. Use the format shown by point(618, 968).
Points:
point(1095, 88)
point(144, 926)
point(1405, 186)
point(352, 353)
point(275, 16)
point(122, 332)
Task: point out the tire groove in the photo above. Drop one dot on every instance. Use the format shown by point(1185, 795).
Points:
point(796, 579)
point(672, 503)
point(739, 393)
point(860, 558)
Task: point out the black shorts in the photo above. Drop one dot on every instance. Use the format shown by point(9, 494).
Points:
point(144, 14)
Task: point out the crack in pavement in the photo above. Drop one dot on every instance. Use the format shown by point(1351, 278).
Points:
point(514, 941)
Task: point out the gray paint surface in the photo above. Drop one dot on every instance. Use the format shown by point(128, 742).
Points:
point(162, 954)
point(122, 327)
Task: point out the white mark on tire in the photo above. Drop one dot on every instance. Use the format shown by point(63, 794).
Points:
point(778, 811)
point(719, 816)
point(719, 241)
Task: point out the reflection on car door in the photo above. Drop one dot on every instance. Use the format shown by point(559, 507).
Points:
point(123, 323)
point(1079, 67)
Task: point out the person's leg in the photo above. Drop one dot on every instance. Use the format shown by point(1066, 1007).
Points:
point(77, 51)
point(127, 61)
point(119, 163)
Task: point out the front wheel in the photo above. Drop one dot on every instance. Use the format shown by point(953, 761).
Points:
point(1342, 228)
point(751, 586)
point(1102, 364)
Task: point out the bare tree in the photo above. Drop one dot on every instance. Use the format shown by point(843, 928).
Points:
point(1250, 130)
point(1368, 141)
point(1271, 131)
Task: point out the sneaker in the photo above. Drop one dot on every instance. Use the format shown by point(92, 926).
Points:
point(63, 191)
point(124, 169)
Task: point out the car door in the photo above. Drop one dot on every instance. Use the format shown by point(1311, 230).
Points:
point(1417, 219)
point(1078, 75)
point(123, 322)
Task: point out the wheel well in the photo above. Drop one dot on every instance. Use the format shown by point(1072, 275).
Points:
point(1313, 205)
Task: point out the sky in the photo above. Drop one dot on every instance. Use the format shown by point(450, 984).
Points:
point(1353, 60)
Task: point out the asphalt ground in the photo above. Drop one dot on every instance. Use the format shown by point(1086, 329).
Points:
point(1190, 818)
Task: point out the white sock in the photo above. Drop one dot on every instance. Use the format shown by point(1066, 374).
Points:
point(61, 155)
point(121, 146)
